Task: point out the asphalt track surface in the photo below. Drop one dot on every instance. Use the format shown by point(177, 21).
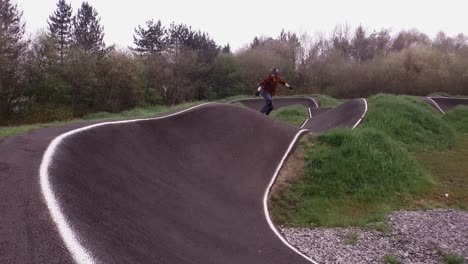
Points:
point(445, 104)
point(189, 188)
point(257, 103)
point(346, 115)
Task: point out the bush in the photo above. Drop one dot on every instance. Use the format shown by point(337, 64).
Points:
point(226, 76)
point(45, 113)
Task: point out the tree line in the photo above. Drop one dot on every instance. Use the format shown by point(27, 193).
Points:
point(68, 71)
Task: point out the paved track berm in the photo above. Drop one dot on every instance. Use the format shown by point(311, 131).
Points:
point(321, 119)
point(187, 188)
point(445, 104)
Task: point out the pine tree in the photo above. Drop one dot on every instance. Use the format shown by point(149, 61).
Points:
point(152, 40)
point(227, 49)
point(255, 43)
point(60, 26)
point(12, 48)
point(88, 33)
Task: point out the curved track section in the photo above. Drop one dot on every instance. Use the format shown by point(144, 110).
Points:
point(185, 189)
point(257, 103)
point(445, 104)
point(348, 114)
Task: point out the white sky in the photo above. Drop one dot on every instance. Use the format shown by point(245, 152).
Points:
point(239, 21)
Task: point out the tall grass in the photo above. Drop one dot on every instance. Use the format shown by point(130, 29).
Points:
point(458, 118)
point(410, 121)
point(351, 178)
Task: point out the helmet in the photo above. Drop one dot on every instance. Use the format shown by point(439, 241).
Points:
point(274, 71)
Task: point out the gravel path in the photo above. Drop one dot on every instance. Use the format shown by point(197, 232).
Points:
point(409, 236)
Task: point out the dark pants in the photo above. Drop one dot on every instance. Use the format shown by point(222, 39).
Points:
point(268, 107)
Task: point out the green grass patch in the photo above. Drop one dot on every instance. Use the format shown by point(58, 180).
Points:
point(351, 239)
point(17, 130)
point(139, 112)
point(449, 168)
point(327, 101)
point(449, 258)
point(458, 118)
point(382, 227)
point(294, 115)
point(410, 121)
point(389, 259)
point(352, 177)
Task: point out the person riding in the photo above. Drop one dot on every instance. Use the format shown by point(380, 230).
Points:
point(267, 88)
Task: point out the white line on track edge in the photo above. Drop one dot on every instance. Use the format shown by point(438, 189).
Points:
point(363, 114)
point(445, 97)
point(316, 104)
point(79, 253)
point(436, 104)
point(267, 192)
point(307, 120)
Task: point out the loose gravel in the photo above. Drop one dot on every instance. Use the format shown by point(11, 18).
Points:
point(408, 236)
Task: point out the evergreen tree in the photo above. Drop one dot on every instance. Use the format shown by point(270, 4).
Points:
point(227, 49)
point(255, 43)
point(178, 36)
point(60, 26)
point(12, 48)
point(88, 33)
point(206, 47)
point(361, 48)
point(151, 40)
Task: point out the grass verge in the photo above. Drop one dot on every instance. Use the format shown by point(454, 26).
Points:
point(449, 168)
point(17, 130)
point(134, 113)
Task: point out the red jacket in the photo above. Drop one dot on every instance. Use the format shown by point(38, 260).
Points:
point(270, 84)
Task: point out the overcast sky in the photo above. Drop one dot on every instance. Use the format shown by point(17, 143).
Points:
point(239, 21)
